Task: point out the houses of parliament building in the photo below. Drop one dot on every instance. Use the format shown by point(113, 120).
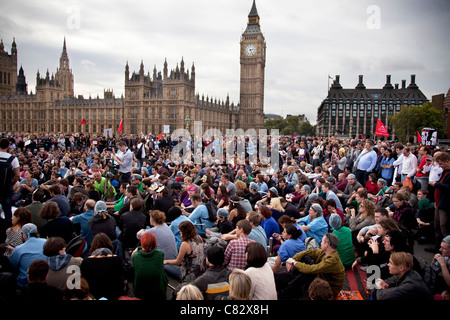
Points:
point(151, 102)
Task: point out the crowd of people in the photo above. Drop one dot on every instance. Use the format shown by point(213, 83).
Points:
point(99, 218)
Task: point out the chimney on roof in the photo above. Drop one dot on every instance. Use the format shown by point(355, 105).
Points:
point(396, 86)
point(388, 84)
point(403, 84)
point(360, 84)
point(413, 85)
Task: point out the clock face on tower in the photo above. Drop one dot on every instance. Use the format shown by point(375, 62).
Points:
point(250, 50)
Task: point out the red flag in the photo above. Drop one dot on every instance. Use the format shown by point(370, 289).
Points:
point(82, 122)
point(120, 126)
point(362, 137)
point(329, 77)
point(381, 129)
point(159, 136)
point(419, 137)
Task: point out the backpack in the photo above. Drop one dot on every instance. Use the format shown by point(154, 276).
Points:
point(138, 153)
point(6, 172)
point(212, 210)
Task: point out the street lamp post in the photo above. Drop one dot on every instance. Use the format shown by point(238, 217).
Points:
point(187, 121)
point(351, 127)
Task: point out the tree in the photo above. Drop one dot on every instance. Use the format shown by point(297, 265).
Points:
point(411, 119)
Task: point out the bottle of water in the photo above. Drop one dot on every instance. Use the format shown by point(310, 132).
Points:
point(270, 246)
point(436, 266)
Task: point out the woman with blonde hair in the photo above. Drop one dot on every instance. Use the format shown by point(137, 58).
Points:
point(189, 292)
point(240, 285)
point(276, 208)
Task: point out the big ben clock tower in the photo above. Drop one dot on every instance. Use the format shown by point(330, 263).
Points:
point(253, 62)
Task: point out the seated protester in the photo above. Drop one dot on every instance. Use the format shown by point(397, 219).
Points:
point(258, 234)
point(163, 202)
point(176, 216)
point(83, 220)
point(222, 226)
point(345, 246)
point(200, 215)
point(365, 217)
point(150, 280)
point(425, 218)
point(295, 196)
point(330, 195)
point(268, 223)
point(93, 194)
point(405, 283)
point(77, 186)
point(77, 204)
point(366, 233)
point(326, 264)
point(276, 208)
point(291, 244)
point(26, 187)
point(404, 213)
point(255, 196)
point(441, 267)
point(410, 197)
point(371, 184)
point(103, 270)
point(289, 209)
point(23, 255)
point(352, 185)
point(383, 188)
point(56, 225)
point(329, 209)
point(214, 281)
point(103, 222)
point(376, 254)
point(236, 211)
point(314, 224)
point(130, 223)
point(59, 262)
point(260, 273)
point(62, 201)
point(118, 204)
point(235, 251)
point(38, 290)
point(103, 186)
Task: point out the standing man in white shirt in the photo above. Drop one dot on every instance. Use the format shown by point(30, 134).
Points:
point(409, 164)
point(124, 158)
point(435, 174)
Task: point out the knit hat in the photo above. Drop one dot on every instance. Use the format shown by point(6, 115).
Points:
point(316, 207)
point(307, 188)
point(447, 240)
point(29, 228)
point(180, 173)
point(313, 196)
point(335, 221)
point(274, 190)
point(100, 206)
point(254, 186)
point(222, 212)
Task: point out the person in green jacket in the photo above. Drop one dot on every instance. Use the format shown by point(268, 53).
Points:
point(104, 187)
point(327, 263)
point(150, 279)
point(345, 246)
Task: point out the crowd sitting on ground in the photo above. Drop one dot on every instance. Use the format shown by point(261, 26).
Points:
point(99, 218)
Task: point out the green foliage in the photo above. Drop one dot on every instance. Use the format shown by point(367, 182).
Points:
point(291, 126)
point(411, 119)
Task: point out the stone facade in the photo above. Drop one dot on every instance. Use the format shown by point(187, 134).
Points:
point(150, 103)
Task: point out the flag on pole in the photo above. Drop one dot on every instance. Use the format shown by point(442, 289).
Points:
point(120, 126)
point(329, 77)
point(381, 129)
point(82, 122)
point(159, 136)
point(419, 137)
point(362, 137)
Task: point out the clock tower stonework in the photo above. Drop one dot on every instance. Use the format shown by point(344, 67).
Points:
point(253, 62)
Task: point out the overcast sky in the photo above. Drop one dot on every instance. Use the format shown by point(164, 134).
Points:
point(306, 40)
